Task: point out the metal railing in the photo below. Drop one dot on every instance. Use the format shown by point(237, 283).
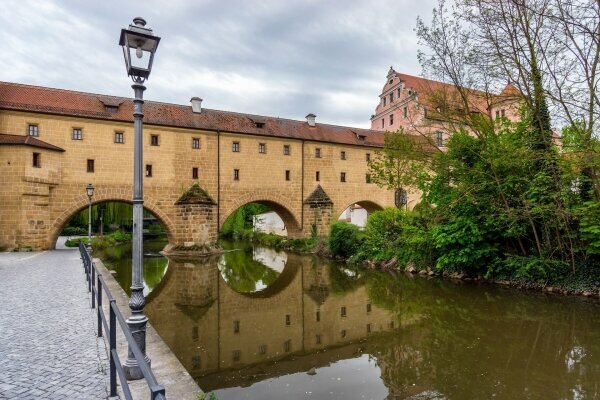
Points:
point(97, 285)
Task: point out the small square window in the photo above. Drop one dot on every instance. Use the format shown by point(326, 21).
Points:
point(343, 333)
point(382, 123)
point(37, 160)
point(33, 130)
point(262, 148)
point(149, 170)
point(288, 320)
point(235, 147)
point(343, 311)
point(368, 328)
point(287, 175)
point(236, 174)
point(286, 149)
point(368, 178)
point(90, 165)
point(236, 355)
point(318, 316)
point(195, 143)
point(342, 155)
point(236, 326)
point(384, 101)
point(391, 119)
point(195, 173)
point(287, 346)
point(342, 177)
point(391, 97)
point(368, 307)
point(503, 113)
point(439, 139)
point(154, 140)
point(119, 137)
point(77, 134)
point(318, 176)
point(318, 339)
point(195, 333)
point(368, 157)
point(318, 153)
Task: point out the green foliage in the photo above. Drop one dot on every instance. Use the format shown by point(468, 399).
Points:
point(102, 242)
point(241, 220)
point(73, 231)
point(344, 239)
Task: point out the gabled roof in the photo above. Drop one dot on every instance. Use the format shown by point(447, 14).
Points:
point(195, 195)
point(16, 140)
point(20, 97)
point(318, 196)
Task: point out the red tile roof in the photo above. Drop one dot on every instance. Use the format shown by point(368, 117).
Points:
point(15, 140)
point(20, 97)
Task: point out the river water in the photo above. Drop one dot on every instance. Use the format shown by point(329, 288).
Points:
point(256, 323)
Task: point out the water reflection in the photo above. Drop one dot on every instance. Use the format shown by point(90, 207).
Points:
point(322, 330)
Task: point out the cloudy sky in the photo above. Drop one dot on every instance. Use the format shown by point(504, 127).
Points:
point(281, 58)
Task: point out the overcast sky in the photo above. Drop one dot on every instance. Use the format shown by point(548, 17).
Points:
point(281, 58)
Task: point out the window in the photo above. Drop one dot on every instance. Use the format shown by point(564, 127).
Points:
point(368, 307)
point(318, 176)
point(400, 91)
point(439, 139)
point(318, 339)
point(368, 157)
point(236, 355)
point(259, 125)
point(368, 178)
point(195, 143)
point(149, 170)
point(235, 147)
point(318, 153)
point(262, 148)
point(391, 97)
point(262, 349)
point(111, 109)
point(497, 114)
point(343, 311)
point(288, 319)
point(236, 174)
point(342, 155)
point(33, 130)
point(195, 333)
point(37, 160)
point(195, 173)
point(119, 137)
point(391, 119)
point(90, 165)
point(384, 100)
point(503, 113)
point(405, 112)
point(382, 123)
point(318, 316)
point(77, 134)
point(368, 328)
point(286, 149)
point(153, 140)
point(287, 175)
point(236, 326)
point(342, 177)
point(343, 333)
point(287, 346)
point(195, 362)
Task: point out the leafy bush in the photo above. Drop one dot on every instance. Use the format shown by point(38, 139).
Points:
point(344, 239)
point(73, 231)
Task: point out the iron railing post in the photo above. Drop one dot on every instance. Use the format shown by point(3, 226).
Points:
point(112, 334)
point(93, 285)
point(99, 310)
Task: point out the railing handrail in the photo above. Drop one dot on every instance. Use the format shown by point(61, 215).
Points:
point(97, 285)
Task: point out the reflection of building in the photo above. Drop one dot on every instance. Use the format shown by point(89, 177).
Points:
point(273, 259)
point(269, 222)
point(214, 330)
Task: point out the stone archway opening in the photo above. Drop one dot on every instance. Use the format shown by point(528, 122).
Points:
point(263, 216)
point(357, 212)
point(109, 217)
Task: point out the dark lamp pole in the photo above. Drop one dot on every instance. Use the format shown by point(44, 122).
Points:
point(89, 190)
point(139, 39)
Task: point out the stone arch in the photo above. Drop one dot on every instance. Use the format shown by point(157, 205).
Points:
point(101, 195)
point(277, 203)
point(369, 205)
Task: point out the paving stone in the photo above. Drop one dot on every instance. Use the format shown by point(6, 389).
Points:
point(49, 347)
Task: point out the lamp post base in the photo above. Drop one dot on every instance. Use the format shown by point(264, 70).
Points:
point(137, 327)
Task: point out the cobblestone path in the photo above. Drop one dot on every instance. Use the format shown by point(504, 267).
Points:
point(48, 345)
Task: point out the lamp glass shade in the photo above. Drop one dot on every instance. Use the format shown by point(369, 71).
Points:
point(90, 190)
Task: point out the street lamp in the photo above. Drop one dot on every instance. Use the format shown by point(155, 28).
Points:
point(139, 39)
point(89, 189)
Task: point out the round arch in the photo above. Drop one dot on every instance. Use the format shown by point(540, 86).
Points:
point(278, 204)
point(100, 196)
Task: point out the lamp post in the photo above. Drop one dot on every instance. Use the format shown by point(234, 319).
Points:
point(89, 189)
point(139, 39)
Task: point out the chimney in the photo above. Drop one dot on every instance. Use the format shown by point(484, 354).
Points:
point(196, 104)
point(310, 118)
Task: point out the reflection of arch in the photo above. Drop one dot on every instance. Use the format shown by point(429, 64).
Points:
point(368, 205)
point(103, 196)
point(285, 278)
point(278, 204)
